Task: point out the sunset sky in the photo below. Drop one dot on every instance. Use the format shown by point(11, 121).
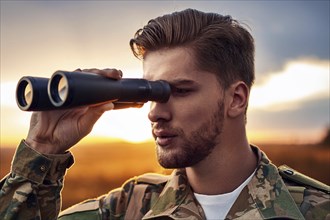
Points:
point(289, 101)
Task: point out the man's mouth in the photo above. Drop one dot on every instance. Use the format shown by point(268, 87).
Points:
point(164, 138)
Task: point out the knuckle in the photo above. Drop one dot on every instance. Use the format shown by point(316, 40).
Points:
point(92, 70)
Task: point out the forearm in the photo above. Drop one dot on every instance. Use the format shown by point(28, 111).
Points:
point(32, 189)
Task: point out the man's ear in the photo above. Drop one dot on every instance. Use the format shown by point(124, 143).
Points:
point(238, 94)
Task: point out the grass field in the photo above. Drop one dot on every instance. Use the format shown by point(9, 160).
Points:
point(98, 169)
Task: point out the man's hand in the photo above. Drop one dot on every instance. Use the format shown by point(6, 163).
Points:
point(54, 132)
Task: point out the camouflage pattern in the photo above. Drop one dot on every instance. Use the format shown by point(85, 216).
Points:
point(32, 189)
point(269, 195)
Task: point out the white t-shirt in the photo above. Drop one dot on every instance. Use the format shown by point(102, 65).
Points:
point(217, 206)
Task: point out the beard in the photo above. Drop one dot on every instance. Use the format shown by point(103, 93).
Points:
point(195, 146)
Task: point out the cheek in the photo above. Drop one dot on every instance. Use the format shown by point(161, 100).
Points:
point(189, 115)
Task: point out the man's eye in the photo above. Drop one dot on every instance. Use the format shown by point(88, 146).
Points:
point(180, 91)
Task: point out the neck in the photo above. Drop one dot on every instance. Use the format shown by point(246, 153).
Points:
point(226, 168)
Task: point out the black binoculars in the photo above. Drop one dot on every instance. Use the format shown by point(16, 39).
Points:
point(71, 89)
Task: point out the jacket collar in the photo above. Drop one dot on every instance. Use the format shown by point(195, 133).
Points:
point(177, 200)
point(265, 196)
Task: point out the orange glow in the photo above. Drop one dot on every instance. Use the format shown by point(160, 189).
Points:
point(261, 137)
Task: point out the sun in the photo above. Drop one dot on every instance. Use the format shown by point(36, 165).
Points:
point(130, 124)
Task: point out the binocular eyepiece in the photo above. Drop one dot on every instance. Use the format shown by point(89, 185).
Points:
point(71, 89)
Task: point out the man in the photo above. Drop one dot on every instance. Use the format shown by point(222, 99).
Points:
point(208, 59)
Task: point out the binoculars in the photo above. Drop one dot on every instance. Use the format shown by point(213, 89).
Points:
point(72, 89)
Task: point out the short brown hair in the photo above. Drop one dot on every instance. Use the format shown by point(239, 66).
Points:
point(219, 43)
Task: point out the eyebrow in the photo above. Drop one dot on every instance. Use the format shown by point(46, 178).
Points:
point(180, 82)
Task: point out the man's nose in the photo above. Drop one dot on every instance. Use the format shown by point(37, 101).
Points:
point(159, 111)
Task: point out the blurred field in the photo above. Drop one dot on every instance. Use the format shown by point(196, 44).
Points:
point(98, 169)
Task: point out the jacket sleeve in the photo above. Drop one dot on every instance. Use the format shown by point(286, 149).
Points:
point(109, 206)
point(32, 189)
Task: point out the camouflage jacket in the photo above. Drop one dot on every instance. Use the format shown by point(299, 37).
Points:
point(32, 191)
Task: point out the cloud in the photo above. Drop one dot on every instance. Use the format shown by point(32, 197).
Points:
point(305, 124)
point(287, 30)
point(291, 105)
point(311, 114)
point(299, 80)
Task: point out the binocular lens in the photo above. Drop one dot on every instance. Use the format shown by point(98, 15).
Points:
point(31, 94)
point(58, 90)
point(25, 93)
point(28, 94)
point(63, 88)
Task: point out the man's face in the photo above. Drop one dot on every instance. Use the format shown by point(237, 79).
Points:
point(186, 128)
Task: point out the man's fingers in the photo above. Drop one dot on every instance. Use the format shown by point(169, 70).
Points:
point(118, 74)
point(110, 73)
